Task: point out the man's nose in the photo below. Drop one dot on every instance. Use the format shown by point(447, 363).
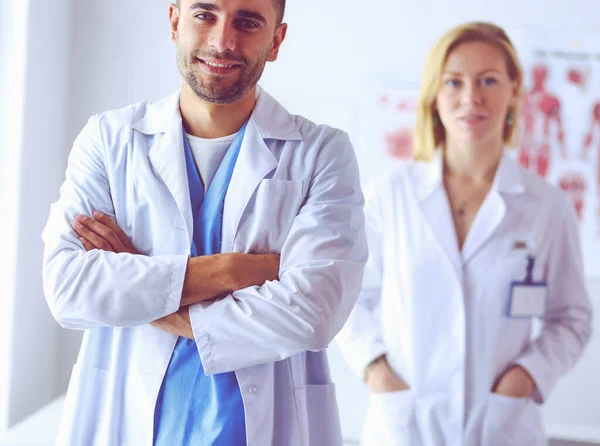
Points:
point(223, 37)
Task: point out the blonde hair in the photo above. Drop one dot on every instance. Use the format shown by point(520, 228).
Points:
point(430, 133)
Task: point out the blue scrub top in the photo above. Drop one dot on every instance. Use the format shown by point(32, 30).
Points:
point(194, 409)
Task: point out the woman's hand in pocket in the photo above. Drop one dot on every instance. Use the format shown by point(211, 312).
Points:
point(382, 379)
point(515, 383)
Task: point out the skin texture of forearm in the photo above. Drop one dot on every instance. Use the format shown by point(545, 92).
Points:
point(208, 277)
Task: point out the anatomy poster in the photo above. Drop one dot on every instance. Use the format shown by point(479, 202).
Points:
point(560, 123)
point(386, 123)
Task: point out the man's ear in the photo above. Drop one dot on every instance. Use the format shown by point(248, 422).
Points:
point(174, 20)
point(278, 39)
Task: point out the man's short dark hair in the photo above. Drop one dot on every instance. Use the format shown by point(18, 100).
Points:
point(279, 4)
point(281, 10)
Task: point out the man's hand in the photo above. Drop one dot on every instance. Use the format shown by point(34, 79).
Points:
point(515, 383)
point(102, 232)
point(382, 379)
point(177, 323)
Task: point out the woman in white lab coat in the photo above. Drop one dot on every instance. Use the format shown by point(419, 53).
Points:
point(467, 252)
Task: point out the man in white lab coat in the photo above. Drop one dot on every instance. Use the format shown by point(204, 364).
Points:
point(164, 247)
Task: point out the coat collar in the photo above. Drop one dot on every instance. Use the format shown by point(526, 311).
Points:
point(433, 202)
point(271, 120)
point(507, 181)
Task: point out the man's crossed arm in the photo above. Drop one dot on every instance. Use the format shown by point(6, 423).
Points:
point(206, 277)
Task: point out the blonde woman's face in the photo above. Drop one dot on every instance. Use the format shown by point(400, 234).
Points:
point(475, 93)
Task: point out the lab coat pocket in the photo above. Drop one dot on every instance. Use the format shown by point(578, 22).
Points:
point(85, 400)
point(512, 421)
point(318, 416)
point(390, 419)
point(270, 215)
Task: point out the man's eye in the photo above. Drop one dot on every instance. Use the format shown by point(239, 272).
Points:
point(204, 16)
point(247, 24)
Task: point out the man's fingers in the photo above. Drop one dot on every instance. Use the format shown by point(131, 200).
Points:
point(111, 224)
point(101, 231)
point(96, 241)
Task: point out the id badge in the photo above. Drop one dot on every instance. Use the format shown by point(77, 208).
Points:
point(528, 298)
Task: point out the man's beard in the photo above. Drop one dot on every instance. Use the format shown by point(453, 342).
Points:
point(211, 90)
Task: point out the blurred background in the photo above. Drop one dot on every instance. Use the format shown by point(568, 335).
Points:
point(343, 61)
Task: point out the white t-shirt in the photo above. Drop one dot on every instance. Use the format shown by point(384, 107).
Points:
point(208, 155)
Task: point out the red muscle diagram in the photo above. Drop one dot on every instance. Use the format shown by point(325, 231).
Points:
point(399, 142)
point(541, 115)
point(587, 147)
point(559, 123)
point(575, 185)
point(578, 77)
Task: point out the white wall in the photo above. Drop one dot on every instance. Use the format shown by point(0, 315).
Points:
point(13, 53)
point(38, 168)
point(120, 53)
point(12, 48)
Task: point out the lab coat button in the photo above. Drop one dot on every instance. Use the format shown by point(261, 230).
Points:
point(253, 390)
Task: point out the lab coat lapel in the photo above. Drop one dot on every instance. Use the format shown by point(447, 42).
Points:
point(254, 162)
point(434, 206)
point(507, 181)
point(488, 218)
point(269, 120)
point(167, 156)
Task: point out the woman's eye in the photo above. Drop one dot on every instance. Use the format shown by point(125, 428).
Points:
point(452, 83)
point(489, 81)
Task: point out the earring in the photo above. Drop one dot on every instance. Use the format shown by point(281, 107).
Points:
point(510, 119)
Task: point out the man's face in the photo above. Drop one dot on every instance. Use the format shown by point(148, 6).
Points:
point(223, 45)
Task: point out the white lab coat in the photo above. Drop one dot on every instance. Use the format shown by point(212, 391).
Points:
point(295, 191)
point(440, 314)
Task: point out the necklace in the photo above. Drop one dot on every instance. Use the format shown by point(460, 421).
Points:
point(460, 209)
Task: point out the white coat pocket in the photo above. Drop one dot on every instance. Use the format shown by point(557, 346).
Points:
point(390, 419)
point(512, 422)
point(318, 416)
point(85, 401)
point(274, 205)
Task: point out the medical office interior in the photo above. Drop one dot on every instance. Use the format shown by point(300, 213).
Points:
point(351, 64)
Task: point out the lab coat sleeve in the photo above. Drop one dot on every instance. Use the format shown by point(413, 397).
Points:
point(321, 268)
point(98, 288)
point(567, 322)
point(361, 339)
